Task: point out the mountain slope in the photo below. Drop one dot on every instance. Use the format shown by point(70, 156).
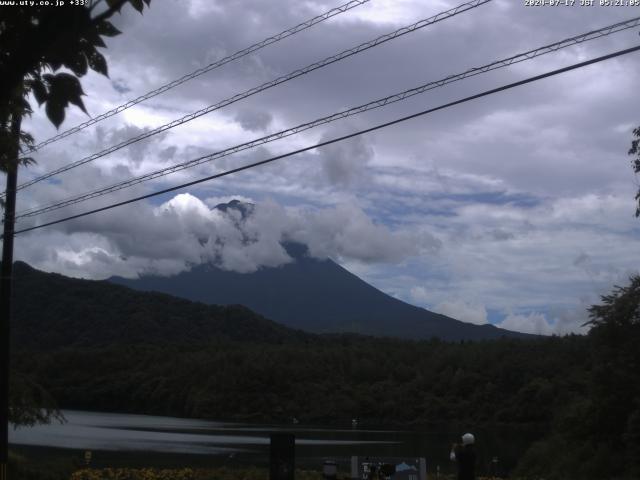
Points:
point(316, 296)
point(52, 311)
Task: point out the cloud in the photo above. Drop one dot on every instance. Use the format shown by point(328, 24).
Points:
point(535, 323)
point(465, 311)
point(572, 320)
point(559, 322)
point(120, 85)
point(136, 151)
point(346, 232)
point(185, 230)
point(254, 121)
point(345, 162)
point(455, 308)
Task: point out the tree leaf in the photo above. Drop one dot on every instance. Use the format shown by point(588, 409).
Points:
point(39, 91)
point(64, 85)
point(26, 161)
point(95, 39)
point(137, 4)
point(77, 64)
point(55, 112)
point(98, 63)
point(114, 3)
point(25, 107)
point(26, 140)
point(77, 101)
point(106, 29)
point(64, 88)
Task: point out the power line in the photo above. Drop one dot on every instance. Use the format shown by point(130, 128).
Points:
point(608, 30)
point(196, 73)
point(285, 78)
point(339, 139)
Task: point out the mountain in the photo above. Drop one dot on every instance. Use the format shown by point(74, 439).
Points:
point(52, 311)
point(312, 295)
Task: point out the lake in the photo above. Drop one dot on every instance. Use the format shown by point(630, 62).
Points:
point(142, 437)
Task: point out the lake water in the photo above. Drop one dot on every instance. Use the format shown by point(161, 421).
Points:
point(145, 436)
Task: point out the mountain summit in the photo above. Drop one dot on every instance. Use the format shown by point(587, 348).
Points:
point(313, 295)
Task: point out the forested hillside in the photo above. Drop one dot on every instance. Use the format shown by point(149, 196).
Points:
point(151, 353)
point(377, 381)
point(53, 311)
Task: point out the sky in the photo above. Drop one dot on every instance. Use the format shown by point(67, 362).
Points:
point(515, 209)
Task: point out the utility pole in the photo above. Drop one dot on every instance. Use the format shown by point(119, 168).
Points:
point(6, 279)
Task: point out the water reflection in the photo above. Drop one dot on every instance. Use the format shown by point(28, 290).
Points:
point(249, 443)
point(116, 432)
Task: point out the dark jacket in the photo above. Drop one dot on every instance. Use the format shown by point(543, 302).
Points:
point(466, 459)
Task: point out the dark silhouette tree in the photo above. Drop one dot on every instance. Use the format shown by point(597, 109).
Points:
point(615, 412)
point(635, 150)
point(37, 42)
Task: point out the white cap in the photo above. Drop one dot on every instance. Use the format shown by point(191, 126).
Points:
point(468, 439)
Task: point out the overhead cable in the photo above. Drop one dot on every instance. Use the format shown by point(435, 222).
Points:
point(338, 139)
point(531, 54)
point(196, 73)
point(285, 78)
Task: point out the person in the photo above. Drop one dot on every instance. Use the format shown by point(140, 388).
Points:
point(465, 456)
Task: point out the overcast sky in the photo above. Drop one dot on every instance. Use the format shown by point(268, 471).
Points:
point(515, 209)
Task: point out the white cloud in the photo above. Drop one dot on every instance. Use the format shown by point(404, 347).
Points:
point(531, 323)
point(185, 230)
point(346, 231)
point(346, 162)
point(391, 12)
point(461, 310)
point(561, 322)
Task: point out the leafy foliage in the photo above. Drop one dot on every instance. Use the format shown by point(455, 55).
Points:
point(615, 390)
point(30, 404)
point(599, 435)
point(635, 150)
point(13, 142)
point(329, 380)
point(39, 40)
